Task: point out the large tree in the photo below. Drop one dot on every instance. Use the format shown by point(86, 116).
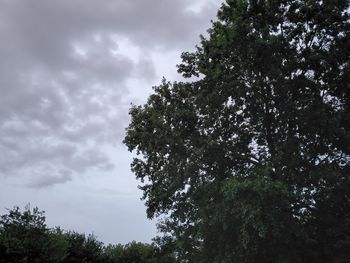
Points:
point(250, 161)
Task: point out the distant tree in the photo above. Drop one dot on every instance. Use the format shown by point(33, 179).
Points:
point(83, 249)
point(113, 253)
point(24, 237)
point(250, 162)
point(136, 252)
point(58, 244)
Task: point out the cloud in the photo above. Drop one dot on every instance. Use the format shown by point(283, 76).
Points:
point(64, 73)
point(48, 180)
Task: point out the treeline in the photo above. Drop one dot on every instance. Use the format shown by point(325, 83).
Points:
point(25, 237)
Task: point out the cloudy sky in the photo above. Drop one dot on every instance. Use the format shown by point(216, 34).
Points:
point(69, 70)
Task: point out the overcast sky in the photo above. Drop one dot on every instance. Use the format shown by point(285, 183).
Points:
point(69, 70)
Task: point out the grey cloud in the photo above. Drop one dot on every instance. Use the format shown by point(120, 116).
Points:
point(41, 181)
point(152, 23)
point(53, 116)
point(63, 78)
point(145, 69)
point(49, 180)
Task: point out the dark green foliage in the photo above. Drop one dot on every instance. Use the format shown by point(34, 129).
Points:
point(82, 249)
point(329, 224)
point(250, 163)
point(25, 238)
point(255, 218)
point(137, 252)
point(132, 252)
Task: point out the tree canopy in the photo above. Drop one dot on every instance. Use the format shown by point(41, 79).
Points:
point(25, 238)
point(248, 160)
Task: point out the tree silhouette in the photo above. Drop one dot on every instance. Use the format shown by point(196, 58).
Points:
point(250, 161)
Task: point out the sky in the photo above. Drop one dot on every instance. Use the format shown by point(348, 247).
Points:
point(69, 71)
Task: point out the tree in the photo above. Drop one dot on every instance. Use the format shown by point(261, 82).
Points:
point(136, 252)
point(261, 137)
point(24, 237)
point(84, 249)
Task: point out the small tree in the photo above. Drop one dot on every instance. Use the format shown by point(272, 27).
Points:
point(24, 237)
